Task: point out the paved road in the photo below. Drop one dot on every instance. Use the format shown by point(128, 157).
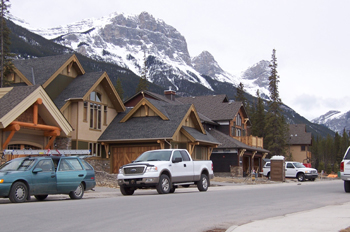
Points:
point(185, 210)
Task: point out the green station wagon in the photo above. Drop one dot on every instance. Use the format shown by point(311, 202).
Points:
point(21, 178)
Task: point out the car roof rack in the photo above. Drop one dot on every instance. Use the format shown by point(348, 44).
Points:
point(48, 152)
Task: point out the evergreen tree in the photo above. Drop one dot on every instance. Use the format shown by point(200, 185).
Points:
point(119, 88)
point(258, 117)
point(6, 64)
point(143, 84)
point(276, 129)
point(240, 94)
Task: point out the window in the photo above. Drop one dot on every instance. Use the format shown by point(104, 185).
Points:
point(95, 149)
point(45, 165)
point(238, 120)
point(176, 155)
point(105, 115)
point(95, 116)
point(302, 148)
point(96, 97)
point(289, 165)
point(185, 156)
point(85, 111)
point(95, 110)
point(238, 132)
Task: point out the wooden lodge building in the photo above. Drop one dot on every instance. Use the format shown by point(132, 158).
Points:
point(54, 104)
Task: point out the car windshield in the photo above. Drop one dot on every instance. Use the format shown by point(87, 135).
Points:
point(154, 156)
point(299, 165)
point(17, 165)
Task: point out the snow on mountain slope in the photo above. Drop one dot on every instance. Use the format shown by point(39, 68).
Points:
point(335, 120)
point(133, 41)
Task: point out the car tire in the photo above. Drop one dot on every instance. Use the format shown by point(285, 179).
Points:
point(301, 177)
point(203, 183)
point(127, 191)
point(78, 193)
point(172, 190)
point(40, 197)
point(347, 186)
point(268, 176)
point(19, 192)
point(164, 185)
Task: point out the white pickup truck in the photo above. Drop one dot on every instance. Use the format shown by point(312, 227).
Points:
point(165, 170)
point(345, 170)
point(294, 170)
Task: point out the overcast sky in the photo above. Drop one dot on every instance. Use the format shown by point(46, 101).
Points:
point(311, 38)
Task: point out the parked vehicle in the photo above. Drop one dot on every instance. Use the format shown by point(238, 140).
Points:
point(345, 170)
point(164, 170)
point(294, 170)
point(40, 176)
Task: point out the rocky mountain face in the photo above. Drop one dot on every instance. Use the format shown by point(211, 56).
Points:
point(335, 120)
point(136, 41)
point(26, 44)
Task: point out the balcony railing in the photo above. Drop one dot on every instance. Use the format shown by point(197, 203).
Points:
point(252, 141)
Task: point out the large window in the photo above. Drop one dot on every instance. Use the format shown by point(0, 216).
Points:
point(95, 110)
point(238, 120)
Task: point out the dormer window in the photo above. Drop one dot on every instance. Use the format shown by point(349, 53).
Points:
point(95, 96)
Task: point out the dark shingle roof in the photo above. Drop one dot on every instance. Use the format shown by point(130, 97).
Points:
point(145, 128)
point(77, 88)
point(298, 135)
point(199, 136)
point(229, 142)
point(138, 128)
point(213, 106)
point(14, 97)
point(43, 67)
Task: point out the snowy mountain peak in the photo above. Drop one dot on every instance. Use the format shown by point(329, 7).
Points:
point(127, 40)
point(334, 120)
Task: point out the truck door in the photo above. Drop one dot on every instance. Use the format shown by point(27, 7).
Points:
point(291, 171)
point(181, 171)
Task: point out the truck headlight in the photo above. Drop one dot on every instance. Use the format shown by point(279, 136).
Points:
point(152, 169)
point(1, 181)
point(121, 171)
point(307, 171)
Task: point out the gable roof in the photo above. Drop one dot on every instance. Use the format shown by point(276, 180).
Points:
point(19, 99)
point(82, 86)
point(44, 69)
point(154, 127)
point(151, 95)
point(298, 135)
point(214, 107)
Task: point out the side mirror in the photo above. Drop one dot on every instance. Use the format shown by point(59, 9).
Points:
point(177, 160)
point(36, 170)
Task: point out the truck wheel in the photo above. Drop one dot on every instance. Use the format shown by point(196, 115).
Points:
point(347, 186)
point(268, 176)
point(203, 183)
point(163, 186)
point(126, 191)
point(301, 177)
point(19, 192)
point(78, 193)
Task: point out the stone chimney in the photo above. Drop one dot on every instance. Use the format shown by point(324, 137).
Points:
point(170, 94)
